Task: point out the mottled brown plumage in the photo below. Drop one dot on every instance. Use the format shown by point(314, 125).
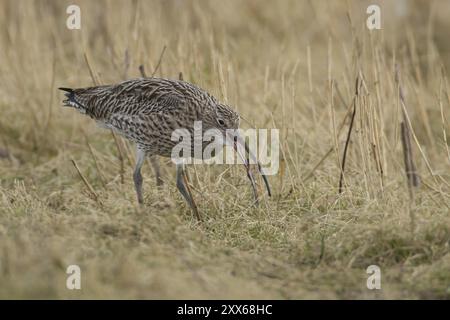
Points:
point(148, 110)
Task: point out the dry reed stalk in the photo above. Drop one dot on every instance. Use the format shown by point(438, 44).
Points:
point(408, 121)
point(409, 169)
point(86, 182)
point(100, 174)
point(330, 102)
point(91, 71)
point(158, 65)
point(347, 141)
point(377, 148)
point(413, 178)
point(374, 140)
point(364, 140)
point(380, 116)
point(377, 123)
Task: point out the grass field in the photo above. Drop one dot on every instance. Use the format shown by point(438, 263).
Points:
point(291, 65)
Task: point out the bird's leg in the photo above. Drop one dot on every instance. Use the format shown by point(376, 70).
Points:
point(137, 176)
point(183, 186)
point(157, 170)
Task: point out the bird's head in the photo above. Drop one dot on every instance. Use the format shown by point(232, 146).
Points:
point(221, 120)
point(221, 117)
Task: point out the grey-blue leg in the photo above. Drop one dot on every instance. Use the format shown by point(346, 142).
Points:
point(137, 176)
point(183, 186)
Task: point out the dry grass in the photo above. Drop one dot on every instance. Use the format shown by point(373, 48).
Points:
point(286, 64)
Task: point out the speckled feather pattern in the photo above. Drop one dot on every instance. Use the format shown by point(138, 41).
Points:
point(148, 110)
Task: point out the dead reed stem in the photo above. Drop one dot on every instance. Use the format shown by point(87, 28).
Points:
point(91, 71)
point(158, 65)
point(86, 183)
point(100, 175)
point(410, 167)
point(347, 141)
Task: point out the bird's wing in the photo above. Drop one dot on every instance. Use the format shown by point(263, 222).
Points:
point(143, 128)
point(140, 96)
point(133, 127)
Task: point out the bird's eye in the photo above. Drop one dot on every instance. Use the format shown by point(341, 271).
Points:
point(221, 122)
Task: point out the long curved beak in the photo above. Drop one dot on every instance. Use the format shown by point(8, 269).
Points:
point(241, 148)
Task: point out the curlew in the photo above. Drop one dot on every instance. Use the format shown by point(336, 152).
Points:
point(148, 110)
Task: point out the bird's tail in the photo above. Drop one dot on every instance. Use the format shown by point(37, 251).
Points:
point(71, 100)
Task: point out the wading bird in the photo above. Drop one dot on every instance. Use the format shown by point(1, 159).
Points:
point(147, 111)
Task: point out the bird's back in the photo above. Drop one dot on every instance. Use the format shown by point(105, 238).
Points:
point(145, 110)
point(137, 96)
